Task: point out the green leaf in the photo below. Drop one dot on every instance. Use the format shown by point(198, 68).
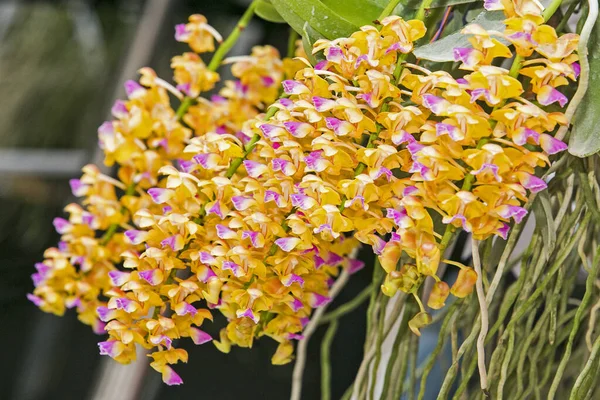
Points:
point(358, 12)
point(268, 12)
point(290, 16)
point(309, 37)
point(585, 134)
point(414, 4)
point(319, 16)
point(442, 50)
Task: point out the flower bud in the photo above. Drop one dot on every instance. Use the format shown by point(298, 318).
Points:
point(438, 295)
point(410, 278)
point(419, 321)
point(464, 283)
point(283, 354)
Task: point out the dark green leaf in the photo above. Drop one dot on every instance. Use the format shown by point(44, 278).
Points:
point(290, 16)
point(318, 15)
point(309, 37)
point(358, 12)
point(414, 4)
point(585, 134)
point(267, 11)
point(442, 50)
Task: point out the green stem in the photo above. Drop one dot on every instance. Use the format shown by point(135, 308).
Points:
point(377, 276)
point(112, 229)
point(183, 107)
point(235, 164)
point(348, 307)
point(378, 345)
point(227, 45)
point(563, 22)
point(514, 73)
point(589, 287)
point(291, 47)
point(325, 360)
point(420, 15)
point(551, 9)
point(389, 9)
point(221, 52)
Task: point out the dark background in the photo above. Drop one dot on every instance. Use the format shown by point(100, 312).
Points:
point(61, 67)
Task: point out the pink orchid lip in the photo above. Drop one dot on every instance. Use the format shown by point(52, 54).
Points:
point(551, 145)
point(355, 266)
point(462, 54)
point(109, 348)
point(254, 168)
point(36, 300)
point(532, 182)
point(287, 244)
point(241, 203)
point(323, 104)
point(302, 201)
point(318, 300)
point(77, 188)
point(248, 313)
point(199, 336)
point(293, 87)
point(170, 377)
point(458, 217)
point(292, 278)
point(273, 196)
point(503, 231)
point(181, 32)
point(491, 5)
point(433, 103)
point(119, 109)
point(134, 89)
point(321, 65)
point(296, 305)
point(334, 54)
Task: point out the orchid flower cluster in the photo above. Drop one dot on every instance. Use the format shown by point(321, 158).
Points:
point(253, 201)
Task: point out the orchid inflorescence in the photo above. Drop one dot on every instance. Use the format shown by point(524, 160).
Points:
point(252, 201)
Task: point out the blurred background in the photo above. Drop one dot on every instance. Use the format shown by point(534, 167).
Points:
point(62, 65)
